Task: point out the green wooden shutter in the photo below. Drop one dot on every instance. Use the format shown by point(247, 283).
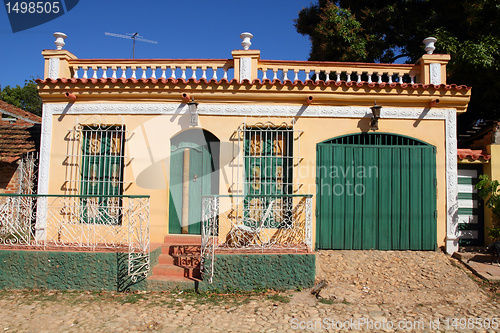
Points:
point(376, 191)
point(203, 179)
point(268, 170)
point(102, 174)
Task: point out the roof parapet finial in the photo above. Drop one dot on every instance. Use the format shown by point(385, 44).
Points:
point(429, 44)
point(246, 36)
point(60, 37)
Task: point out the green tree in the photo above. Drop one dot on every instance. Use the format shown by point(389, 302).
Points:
point(385, 30)
point(26, 97)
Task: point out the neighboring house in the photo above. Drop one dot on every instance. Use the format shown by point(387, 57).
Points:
point(478, 153)
point(256, 155)
point(19, 139)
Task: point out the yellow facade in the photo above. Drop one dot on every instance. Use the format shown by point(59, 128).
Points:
point(412, 111)
point(148, 172)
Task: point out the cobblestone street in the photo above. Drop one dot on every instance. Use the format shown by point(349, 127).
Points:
point(367, 290)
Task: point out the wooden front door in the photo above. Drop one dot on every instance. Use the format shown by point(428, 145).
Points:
point(192, 174)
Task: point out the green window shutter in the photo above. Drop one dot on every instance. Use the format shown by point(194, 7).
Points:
point(102, 174)
point(268, 168)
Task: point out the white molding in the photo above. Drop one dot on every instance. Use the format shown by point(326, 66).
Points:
point(435, 73)
point(244, 110)
point(53, 68)
point(245, 68)
point(451, 183)
point(116, 108)
point(43, 172)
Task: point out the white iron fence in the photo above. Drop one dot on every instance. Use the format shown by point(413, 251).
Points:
point(263, 223)
point(78, 222)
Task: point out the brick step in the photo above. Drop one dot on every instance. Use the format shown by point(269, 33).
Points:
point(172, 278)
point(179, 259)
point(183, 240)
point(171, 270)
point(181, 249)
point(184, 260)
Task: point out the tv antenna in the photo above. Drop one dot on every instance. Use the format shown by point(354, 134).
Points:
point(134, 36)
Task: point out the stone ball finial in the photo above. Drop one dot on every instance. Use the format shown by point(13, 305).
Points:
point(60, 37)
point(429, 44)
point(246, 36)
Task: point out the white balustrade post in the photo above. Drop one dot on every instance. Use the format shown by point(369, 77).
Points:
point(433, 66)
point(246, 60)
point(57, 61)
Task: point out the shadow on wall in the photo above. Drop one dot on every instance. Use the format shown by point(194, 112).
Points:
point(123, 281)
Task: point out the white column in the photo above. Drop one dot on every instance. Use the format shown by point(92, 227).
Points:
point(451, 183)
point(43, 173)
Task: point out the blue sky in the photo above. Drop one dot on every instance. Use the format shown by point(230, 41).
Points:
point(183, 29)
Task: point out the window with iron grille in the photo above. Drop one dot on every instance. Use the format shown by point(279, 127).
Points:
point(268, 158)
point(101, 178)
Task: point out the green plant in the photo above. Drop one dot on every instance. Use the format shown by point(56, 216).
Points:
point(488, 190)
point(494, 233)
point(326, 300)
point(279, 298)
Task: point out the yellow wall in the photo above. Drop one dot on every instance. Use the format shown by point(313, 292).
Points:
point(492, 169)
point(149, 147)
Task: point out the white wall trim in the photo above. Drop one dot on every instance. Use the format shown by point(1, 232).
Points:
point(245, 68)
point(43, 172)
point(53, 68)
point(244, 110)
point(452, 233)
point(435, 73)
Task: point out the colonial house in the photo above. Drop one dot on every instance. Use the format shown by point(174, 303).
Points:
point(478, 153)
point(267, 160)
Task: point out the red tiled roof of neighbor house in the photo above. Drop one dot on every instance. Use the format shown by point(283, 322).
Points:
point(18, 136)
point(18, 113)
point(474, 154)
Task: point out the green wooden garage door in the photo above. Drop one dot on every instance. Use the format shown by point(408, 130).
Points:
point(376, 191)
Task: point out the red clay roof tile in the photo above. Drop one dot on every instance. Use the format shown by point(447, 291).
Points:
point(258, 81)
point(474, 154)
point(19, 113)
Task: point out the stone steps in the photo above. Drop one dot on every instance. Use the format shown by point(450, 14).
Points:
point(179, 259)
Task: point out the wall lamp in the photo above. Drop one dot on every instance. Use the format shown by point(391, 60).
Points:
point(375, 116)
point(193, 112)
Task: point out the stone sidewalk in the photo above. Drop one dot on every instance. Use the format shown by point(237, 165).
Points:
point(367, 291)
point(480, 264)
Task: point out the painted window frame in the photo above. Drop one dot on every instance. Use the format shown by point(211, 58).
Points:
point(102, 173)
point(268, 174)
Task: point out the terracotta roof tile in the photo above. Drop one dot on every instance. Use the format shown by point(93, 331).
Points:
point(18, 138)
point(19, 113)
point(474, 154)
point(261, 82)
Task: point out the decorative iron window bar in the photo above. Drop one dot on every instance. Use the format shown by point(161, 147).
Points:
point(96, 158)
point(268, 163)
point(95, 167)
